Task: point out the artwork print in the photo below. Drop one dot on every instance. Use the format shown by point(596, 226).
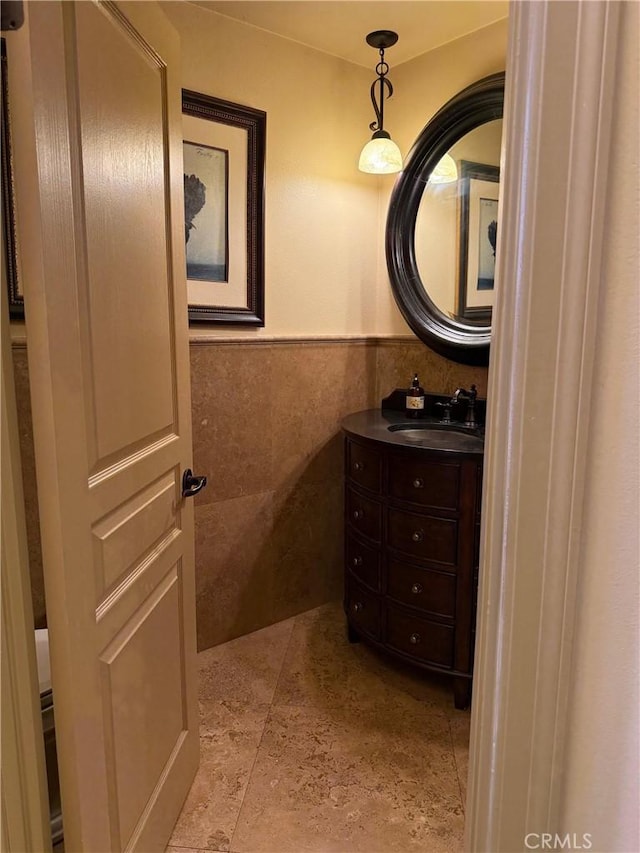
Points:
point(479, 190)
point(206, 192)
point(487, 236)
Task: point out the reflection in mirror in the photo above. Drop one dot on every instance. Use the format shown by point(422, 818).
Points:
point(452, 226)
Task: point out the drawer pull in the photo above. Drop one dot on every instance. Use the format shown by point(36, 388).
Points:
point(418, 483)
point(417, 536)
point(417, 588)
point(358, 607)
point(357, 561)
point(414, 639)
point(358, 514)
point(358, 466)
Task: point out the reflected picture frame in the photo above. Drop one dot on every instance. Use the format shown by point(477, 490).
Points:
point(224, 146)
point(478, 193)
point(9, 238)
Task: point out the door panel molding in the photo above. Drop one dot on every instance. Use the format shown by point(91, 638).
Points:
point(129, 272)
point(137, 586)
point(138, 676)
point(125, 536)
point(145, 458)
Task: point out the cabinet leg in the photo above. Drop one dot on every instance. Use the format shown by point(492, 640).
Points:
point(352, 636)
point(461, 693)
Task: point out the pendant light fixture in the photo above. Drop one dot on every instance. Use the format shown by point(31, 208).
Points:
point(381, 156)
point(445, 171)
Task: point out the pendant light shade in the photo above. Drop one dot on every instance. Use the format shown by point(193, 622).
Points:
point(380, 156)
point(445, 172)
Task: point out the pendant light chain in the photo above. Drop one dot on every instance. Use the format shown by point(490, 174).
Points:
point(382, 69)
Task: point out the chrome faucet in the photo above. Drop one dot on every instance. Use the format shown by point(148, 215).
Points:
point(470, 395)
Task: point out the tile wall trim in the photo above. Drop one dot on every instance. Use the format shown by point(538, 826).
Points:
point(286, 340)
point(391, 340)
point(20, 343)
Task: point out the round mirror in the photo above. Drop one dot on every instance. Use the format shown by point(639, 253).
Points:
point(442, 224)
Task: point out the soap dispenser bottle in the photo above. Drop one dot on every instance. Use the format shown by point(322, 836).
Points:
point(414, 405)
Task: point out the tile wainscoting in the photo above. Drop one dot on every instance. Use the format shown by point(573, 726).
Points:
point(266, 430)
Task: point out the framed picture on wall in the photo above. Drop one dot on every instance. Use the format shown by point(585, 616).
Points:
point(224, 165)
point(9, 240)
point(479, 189)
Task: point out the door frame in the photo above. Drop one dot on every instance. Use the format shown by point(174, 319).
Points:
point(25, 802)
point(560, 93)
point(24, 816)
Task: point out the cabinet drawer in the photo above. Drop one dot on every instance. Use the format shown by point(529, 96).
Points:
point(427, 641)
point(364, 515)
point(364, 466)
point(363, 561)
point(434, 539)
point(424, 482)
point(432, 592)
point(363, 609)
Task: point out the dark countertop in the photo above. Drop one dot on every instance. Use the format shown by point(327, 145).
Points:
point(427, 433)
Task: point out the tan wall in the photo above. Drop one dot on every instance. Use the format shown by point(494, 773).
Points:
point(321, 212)
point(325, 265)
point(427, 82)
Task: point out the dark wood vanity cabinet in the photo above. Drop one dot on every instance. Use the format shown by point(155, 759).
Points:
point(412, 521)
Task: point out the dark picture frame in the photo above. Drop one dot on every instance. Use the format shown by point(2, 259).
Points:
point(9, 240)
point(479, 187)
point(238, 133)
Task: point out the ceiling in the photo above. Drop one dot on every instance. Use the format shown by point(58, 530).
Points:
point(339, 27)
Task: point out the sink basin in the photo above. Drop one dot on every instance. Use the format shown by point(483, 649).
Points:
point(439, 436)
point(421, 427)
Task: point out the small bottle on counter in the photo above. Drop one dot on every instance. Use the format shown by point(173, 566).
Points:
point(414, 405)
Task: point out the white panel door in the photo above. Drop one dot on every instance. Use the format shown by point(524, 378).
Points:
point(100, 217)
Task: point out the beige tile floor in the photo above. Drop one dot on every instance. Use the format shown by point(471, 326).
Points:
point(312, 745)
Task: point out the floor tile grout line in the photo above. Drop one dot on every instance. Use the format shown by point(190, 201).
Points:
point(264, 728)
point(284, 657)
point(282, 660)
point(455, 762)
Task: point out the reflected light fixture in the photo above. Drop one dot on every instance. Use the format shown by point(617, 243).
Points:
point(445, 171)
point(381, 156)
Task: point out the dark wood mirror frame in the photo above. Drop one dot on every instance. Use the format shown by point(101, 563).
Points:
point(460, 341)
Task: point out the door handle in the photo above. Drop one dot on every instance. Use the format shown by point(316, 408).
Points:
point(191, 485)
